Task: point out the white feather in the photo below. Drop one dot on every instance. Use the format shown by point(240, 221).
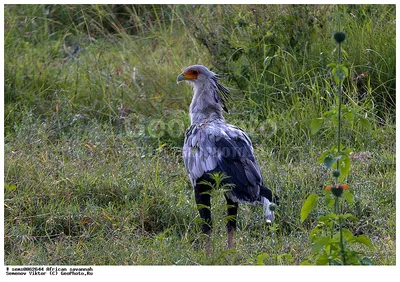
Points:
point(269, 215)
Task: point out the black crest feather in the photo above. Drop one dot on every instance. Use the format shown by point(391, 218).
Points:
point(223, 93)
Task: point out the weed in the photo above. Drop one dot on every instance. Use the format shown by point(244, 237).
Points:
point(330, 240)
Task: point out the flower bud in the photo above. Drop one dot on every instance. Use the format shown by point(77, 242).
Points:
point(272, 207)
point(337, 191)
point(339, 36)
point(336, 173)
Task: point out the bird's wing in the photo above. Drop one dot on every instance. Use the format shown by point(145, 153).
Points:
point(220, 147)
point(239, 164)
point(199, 151)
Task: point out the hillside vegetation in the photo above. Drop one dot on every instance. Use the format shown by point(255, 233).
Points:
point(94, 125)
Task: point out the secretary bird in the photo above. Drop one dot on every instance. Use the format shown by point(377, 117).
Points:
point(213, 146)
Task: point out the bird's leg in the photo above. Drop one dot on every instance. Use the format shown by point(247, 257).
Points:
point(207, 245)
point(203, 201)
point(231, 224)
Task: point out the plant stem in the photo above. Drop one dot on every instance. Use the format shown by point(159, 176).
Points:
point(340, 108)
point(339, 149)
point(337, 211)
point(340, 94)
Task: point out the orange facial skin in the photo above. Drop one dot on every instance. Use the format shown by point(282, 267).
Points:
point(190, 74)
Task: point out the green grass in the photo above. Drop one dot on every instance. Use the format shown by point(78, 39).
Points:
point(93, 172)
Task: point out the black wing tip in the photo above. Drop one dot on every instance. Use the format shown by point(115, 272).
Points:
point(267, 193)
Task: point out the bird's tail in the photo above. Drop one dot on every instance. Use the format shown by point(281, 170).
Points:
point(269, 214)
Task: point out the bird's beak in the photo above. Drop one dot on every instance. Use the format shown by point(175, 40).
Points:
point(180, 78)
point(186, 76)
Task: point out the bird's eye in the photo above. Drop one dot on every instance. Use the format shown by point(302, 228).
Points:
point(195, 72)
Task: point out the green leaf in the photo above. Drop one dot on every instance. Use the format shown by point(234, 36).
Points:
point(285, 258)
point(316, 125)
point(323, 259)
point(308, 206)
point(335, 262)
point(261, 258)
point(364, 240)
point(323, 156)
point(347, 235)
point(336, 78)
point(340, 72)
point(329, 199)
point(328, 161)
point(329, 113)
point(314, 234)
point(349, 116)
point(320, 243)
point(351, 217)
point(10, 187)
point(346, 71)
point(347, 151)
point(349, 196)
point(328, 217)
point(331, 65)
point(366, 261)
point(364, 123)
point(344, 167)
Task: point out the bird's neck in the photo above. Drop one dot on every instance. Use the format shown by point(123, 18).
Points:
point(205, 105)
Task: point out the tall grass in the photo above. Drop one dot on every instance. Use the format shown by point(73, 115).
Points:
point(94, 126)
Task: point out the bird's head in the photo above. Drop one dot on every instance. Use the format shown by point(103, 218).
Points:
point(198, 74)
point(195, 73)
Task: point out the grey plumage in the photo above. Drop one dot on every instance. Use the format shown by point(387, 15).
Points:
point(215, 146)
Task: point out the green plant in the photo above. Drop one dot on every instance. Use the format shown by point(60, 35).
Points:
point(331, 242)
